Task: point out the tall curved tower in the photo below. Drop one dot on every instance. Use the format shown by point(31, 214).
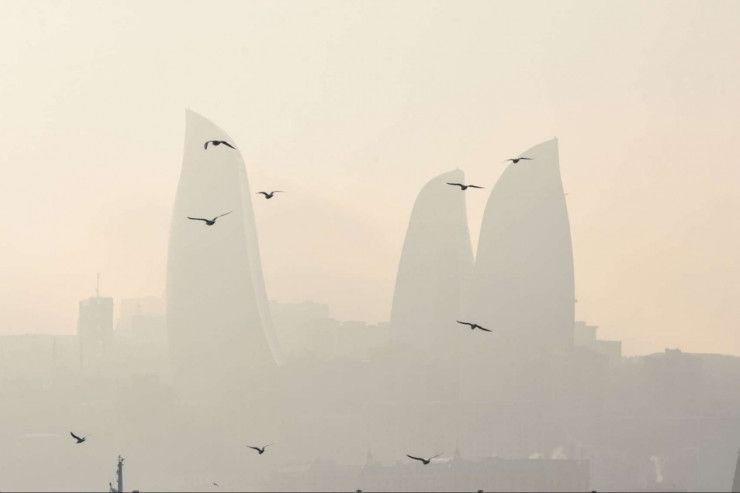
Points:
point(523, 283)
point(435, 267)
point(218, 317)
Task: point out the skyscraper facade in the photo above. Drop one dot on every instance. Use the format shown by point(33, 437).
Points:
point(435, 267)
point(218, 317)
point(95, 330)
point(523, 282)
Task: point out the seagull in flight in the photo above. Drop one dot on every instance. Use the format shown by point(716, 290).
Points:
point(259, 450)
point(217, 143)
point(515, 160)
point(473, 326)
point(463, 187)
point(268, 195)
point(209, 222)
point(79, 439)
point(423, 460)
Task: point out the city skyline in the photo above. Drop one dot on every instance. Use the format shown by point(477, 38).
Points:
point(654, 258)
point(361, 245)
point(518, 406)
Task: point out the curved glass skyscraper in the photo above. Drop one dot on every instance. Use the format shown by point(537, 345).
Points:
point(218, 317)
point(435, 266)
point(523, 284)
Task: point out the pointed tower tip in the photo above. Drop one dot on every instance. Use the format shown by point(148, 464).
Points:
point(546, 145)
point(192, 114)
point(206, 127)
point(454, 173)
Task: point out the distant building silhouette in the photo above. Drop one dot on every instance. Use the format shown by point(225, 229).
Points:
point(306, 329)
point(524, 284)
point(584, 335)
point(435, 267)
point(218, 317)
point(136, 314)
point(736, 481)
point(95, 328)
point(490, 474)
point(552, 419)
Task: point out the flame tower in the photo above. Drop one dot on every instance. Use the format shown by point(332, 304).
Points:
point(523, 282)
point(435, 267)
point(218, 318)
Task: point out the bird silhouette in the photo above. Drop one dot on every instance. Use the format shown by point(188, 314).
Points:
point(215, 484)
point(473, 326)
point(463, 187)
point(209, 222)
point(268, 195)
point(217, 143)
point(515, 160)
point(259, 450)
point(423, 460)
point(79, 439)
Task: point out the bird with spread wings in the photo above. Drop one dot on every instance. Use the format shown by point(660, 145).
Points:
point(217, 143)
point(209, 222)
point(515, 160)
point(422, 459)
point(258, 449)
point(473, 326)
point(269, 195)
point(78, 438)
point(463, 186)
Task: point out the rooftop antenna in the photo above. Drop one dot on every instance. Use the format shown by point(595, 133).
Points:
point(119, 475)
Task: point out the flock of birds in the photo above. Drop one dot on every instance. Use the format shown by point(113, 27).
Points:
point(212, 221)
point(261, 450)
point(268, 195)
point(271, 194)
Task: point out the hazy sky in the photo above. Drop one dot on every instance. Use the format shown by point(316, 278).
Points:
point(351, 107)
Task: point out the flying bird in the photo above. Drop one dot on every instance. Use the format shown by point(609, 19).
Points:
point(515, 160)
point(217, 143)
point(269, 195)
point(473, 326)
point(259, 450)
point(79, 439)
point(215, 484)
point(209, 222)
point(423, 460)
point(463, 187)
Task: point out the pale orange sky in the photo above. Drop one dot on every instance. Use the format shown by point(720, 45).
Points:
point(351, 107)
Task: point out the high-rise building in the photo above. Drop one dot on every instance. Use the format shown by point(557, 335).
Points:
point(524, 286)
point(435, 267)
point(218, 317)
point(95, 328)
point(133, 313)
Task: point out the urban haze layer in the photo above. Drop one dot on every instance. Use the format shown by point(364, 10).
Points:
point(482, 379)
point(342, 245)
